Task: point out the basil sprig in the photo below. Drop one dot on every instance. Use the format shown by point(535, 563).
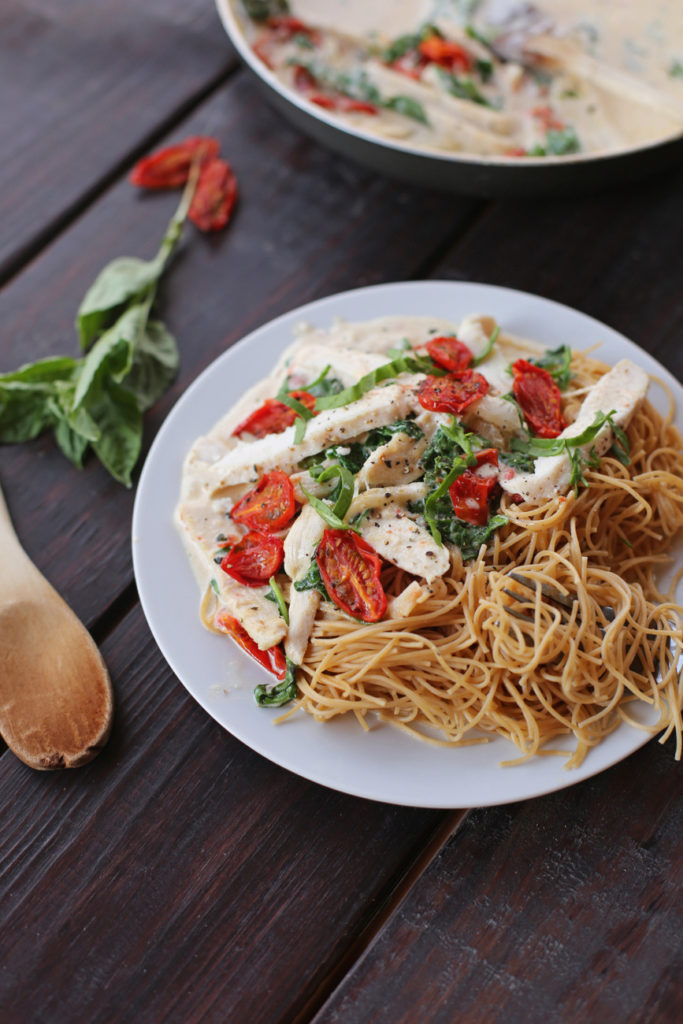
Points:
point(536, 447)
point(274, 696)
point(98, 400)
point(401, 364)
point(540, 446)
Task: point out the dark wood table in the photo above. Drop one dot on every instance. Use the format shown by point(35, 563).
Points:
point(180, 876)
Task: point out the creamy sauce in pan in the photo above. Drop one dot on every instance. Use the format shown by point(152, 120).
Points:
point(491, 97)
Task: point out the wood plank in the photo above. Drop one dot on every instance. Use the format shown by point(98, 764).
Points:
point(180, 875)
point(617, 256)
point(564, 908)
point(307, 224)
point(83, 87)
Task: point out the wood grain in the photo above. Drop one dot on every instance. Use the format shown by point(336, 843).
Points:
point(180, 872)
point(83, 87)
point(307, 224)
point(564, 908)
point(617, 256)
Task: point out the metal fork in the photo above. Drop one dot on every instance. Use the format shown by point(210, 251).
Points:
point(551, 594)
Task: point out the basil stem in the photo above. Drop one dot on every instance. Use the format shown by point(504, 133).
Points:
point(325, 512)
point(487, 351)
point(402, 364)
point(460, 465)
point(341, 505)
point(540, 446)
point(279, 599)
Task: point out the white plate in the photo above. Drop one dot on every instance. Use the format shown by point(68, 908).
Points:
point(383, 764)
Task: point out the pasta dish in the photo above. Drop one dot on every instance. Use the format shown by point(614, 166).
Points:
point(447, 527)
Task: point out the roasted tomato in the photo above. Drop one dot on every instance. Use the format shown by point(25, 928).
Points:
point(450, 353)
point(273, 659)
point(273, 417)
point(269, 506)
point(539, 398)
point(254, 559)
point(170, 167)
point(446, 54)
point(470, 493)
point(348, 104)
point(215, 196)
point(452, 394)
point(350, 571)
point(283, 28)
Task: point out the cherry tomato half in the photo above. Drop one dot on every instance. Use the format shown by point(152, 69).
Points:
point(452, 394)
point(273, 659)
point(214, 197)
point(273, 417)
point(470, 493)
point(446, 54)
point(269, 506)
point(350, 571)
point(254, 559)
point(539, 398)
point(450, 353)
point(170, 167)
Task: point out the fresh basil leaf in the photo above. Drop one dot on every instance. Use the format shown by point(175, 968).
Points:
point(462, 87)
point(24, 413)
point(155, 364)
point(519, 461)
point(408, 106)
point(119, 419)
point(400, 46)
point(556, 361)
point(484, 69)
point(44, 371)
point(561, 142)
point(469, 538)
point(621, 448)
point(72, 443)
point(112, 354)
point(122, 281)
point(324, 385)
point(312, 581)
point(274, 696)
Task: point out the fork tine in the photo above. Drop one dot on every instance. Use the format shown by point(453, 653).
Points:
point(550, 592)
point(519, 615)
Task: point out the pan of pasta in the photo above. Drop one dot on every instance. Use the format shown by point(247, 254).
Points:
point(480, 96)
point(435, 530)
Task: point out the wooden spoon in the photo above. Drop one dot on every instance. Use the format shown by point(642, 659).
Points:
point(56, 700)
